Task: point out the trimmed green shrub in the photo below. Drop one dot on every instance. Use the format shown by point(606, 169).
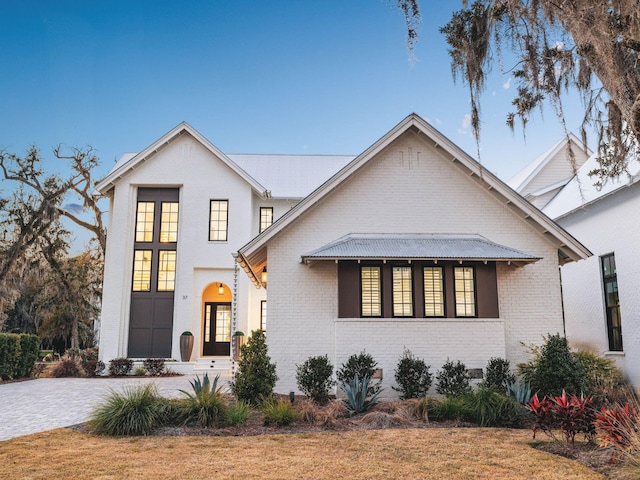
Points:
point(256, 375)
point(119, 367)
point(498, 374)
point(136, 411)
point(412, 376)
point(314, 378)
point(18, 355)
point(358, 398)
point(278, 411)
point(206, 405)
point(9, 353)
point(554, 369)
point(361, 365)
point(154, 366)
point(139, 371)
point(453, 380)
point(29, 348)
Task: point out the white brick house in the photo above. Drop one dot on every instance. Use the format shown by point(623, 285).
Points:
point(411, 245)
point(177, 212)
point(602, 293)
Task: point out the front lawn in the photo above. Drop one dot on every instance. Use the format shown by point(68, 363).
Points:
point(436, 453)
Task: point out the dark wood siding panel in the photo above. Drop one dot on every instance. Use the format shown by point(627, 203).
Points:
point(487, 290)
point(387, 291)
point(150, 327)
point(418, 291)
point(348, 289)
point(158, 194)
point(449, 291)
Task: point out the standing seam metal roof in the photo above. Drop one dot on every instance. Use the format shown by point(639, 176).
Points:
point(418, 246)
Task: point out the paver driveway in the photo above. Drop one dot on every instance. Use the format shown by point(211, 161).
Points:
point(46, 403)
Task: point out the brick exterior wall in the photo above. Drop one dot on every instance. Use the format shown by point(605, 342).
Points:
point(410, 187)
point(186, 164)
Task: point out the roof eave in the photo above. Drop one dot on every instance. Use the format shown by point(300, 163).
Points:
point(110, 181)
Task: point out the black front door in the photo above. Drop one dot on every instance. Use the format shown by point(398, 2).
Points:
point(217, 329)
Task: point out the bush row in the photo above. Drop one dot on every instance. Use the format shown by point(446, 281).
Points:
point(412, 375)
point(18, 355)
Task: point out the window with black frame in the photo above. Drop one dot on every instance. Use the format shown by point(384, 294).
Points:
point(612, 302)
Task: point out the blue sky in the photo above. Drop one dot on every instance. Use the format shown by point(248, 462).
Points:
point(303, 76)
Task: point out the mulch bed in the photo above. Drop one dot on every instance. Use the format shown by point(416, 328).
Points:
point(600, 459)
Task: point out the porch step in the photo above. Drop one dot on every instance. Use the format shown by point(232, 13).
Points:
point(217, 365)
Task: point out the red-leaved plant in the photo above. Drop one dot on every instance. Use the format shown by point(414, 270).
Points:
point(574, 416)
point(571, 415)
point(543, 411)
point(616, 425)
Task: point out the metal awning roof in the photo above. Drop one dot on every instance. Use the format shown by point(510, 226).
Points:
point(417, 247)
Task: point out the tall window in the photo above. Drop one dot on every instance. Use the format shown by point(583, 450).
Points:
point(223, 323)
point(464, 291)
point(142, 270)
point(402, 292)
point(169, 222)
point(263, 315)
point(167, 271)
point(144, 221)
point(612, 302)
point(218, 220)
point(266, 218)
point(433, 292)
point(370, 286)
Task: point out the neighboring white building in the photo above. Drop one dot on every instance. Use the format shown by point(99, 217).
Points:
point(600, 294)
point(411, 245)
point(177, 212)
point(543, 178)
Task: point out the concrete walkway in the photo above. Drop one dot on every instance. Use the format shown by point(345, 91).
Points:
point(47, 403)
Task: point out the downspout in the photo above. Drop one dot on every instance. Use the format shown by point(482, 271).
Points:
point(564, 324)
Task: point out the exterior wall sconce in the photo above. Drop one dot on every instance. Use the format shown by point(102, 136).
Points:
point(220, 289)
point(263, 276)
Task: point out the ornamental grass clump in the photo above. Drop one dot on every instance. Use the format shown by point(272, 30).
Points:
point(206, 405)
point(135, 411)
point(489, 408)
point(237, 413)
point(279, 412)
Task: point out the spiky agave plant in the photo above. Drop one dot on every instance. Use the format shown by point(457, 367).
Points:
point(206, 405)
point(356, 390)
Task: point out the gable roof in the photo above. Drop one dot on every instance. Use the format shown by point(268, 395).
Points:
point(582, 191)
point(129, 161)
point(521, 179)
point(253, 256)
